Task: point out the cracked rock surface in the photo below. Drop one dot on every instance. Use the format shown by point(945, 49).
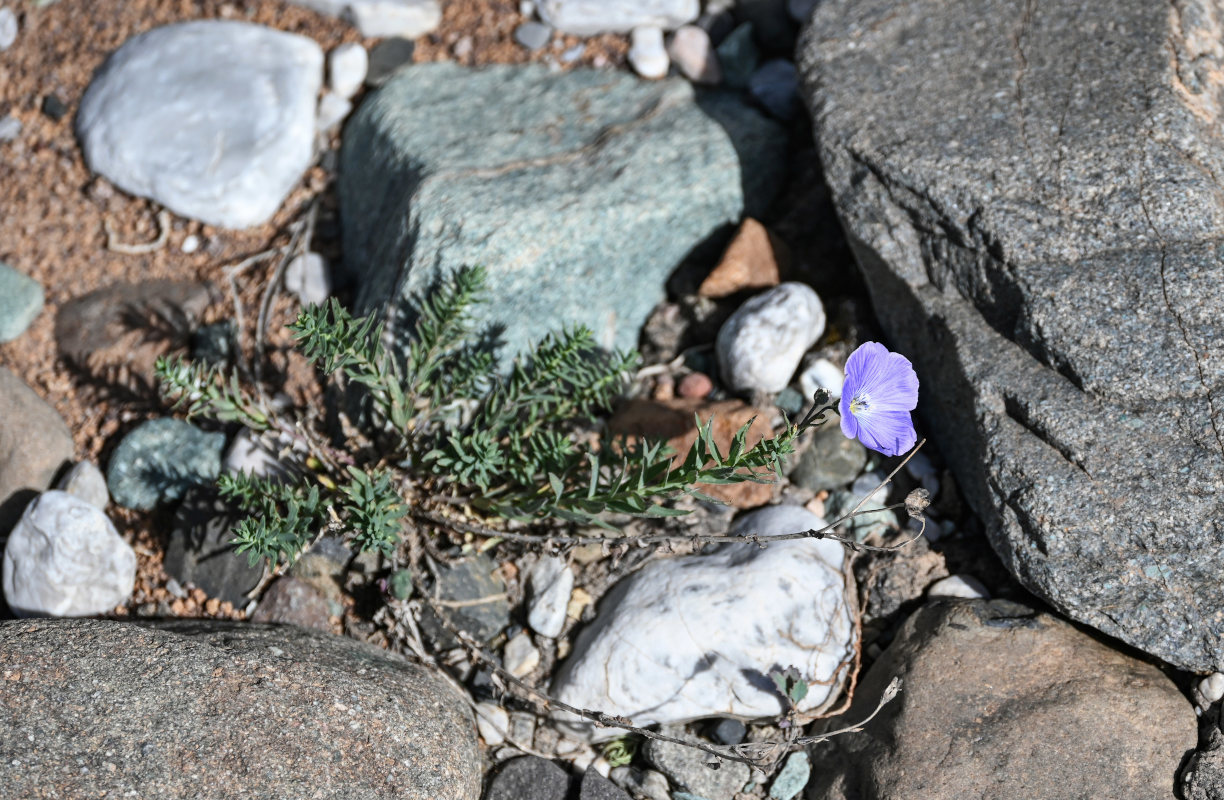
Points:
point(1040, 223)
point(580, 192)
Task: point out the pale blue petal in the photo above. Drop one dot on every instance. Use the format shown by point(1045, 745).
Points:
point(890, 432)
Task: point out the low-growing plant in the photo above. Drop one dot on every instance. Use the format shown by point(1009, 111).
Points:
point(448, 423)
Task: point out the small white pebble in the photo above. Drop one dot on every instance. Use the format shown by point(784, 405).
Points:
point(965, 587)
point(492, 721)
point(527, 8)
point(521, 656)
point(8, 28)
point(332, 111)
point(190, 244)
point(822, 374)
point(347, 66)
point(1212, 687)
point(647, 54)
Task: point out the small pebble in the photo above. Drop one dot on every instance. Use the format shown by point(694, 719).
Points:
point(527, 8)
point(738, 56)
point(347, 66)
point(54, 108)
point(573, 54)
point(965, 587)
point(87, 482)
point(690, 48)
point(8, 28)
point(190, 244)
point(729, 731)
point(775, 85)
point(792, 777)
point(550, 582)
point(388, 57)
point(521, 656)
point(10, 128)
point(761, 344)
point(492, 722)
point(822, 374)
point(800, 10)
point(308, 277)
point(21, 301)
point(1211, 688)
point(175, 588)
point(462, 48)
point(647, 55)
point(695, 385)
point(333, 109)
point(532, 35)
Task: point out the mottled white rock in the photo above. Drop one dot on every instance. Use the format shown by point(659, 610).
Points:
point(87, 482)
point(520, 656)
point(347, 65)
point(492, 722)
point(965, 587)
point(8, 28)
point(65, 559)
point(407, 19)
point(589, 17)
point(333, 109)
point(647, 55)
point(761, 344)
point(695, 636)
point(822, 374)
point(549, 584)
point(693, 54)
point(214, 119)
point(309, 278)
point(1211, 688)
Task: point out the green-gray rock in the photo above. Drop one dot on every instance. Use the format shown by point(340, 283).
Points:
point(793, 777)
point(831, 462)
point(193, 708)
point(580, 192)
point(21, 300)
point(160, 460)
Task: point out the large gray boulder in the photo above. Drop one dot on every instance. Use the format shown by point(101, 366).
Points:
point(96, 708)
point(580, 192)
point(999, 701)
point(1032, 193)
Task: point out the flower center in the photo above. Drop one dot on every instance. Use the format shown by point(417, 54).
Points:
point(859, 403)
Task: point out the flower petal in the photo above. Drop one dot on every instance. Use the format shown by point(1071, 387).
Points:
point(849, 425)
point(888, 379)
point(890, 432)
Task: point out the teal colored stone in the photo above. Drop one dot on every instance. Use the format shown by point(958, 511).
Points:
point(21, 300)
point(792, 778)
point(160, 460)
point(738, 56)
point(579, 192)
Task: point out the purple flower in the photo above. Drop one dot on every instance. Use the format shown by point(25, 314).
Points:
point(880, 391)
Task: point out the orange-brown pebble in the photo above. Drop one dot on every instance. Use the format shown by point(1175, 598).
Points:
point(212, 606)
point(695, 385)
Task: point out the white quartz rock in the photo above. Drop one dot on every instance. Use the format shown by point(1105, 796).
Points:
point(647, 55)
point(589, 17)
point(822, 374)
point(406, 19)
point(696, 636)
point(347, 66)
point(307, 275)
point(550, 582)
point(965, 587)
point(87, 482)
point(761, 344)
point(214, 119)
point(65, 559)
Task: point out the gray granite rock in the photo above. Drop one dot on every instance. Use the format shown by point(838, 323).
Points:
point(293, 601)
point(580, 192)
point(696, 636)
point(687, 770)
point(831, 461)
point(596, 787)
point(34, 445)
point(587, 18)
point(529, 776)
point(1001, 701)
point(159, 460)
point(1032, 195)
point(65, 559)
point(250, 711)
point(21, 301)
point(473, 599)
point(213, 119)
point(760, 346)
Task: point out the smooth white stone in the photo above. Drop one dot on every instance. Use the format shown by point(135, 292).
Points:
point(549, 583)
point(347, 65)
point(693, 53)
point(962, 586)
point(1211, 688)
point(213, 119)
point(406, 19)
point(492, 722)
point(8, 28)
point(87, 482)
point(333, 109)
point(647, 55)
point(520, 656)
point(65, 559)
point(696, 636)
point(589, 17)
point(822, 374)
point(761, 344)
point(308, 277)
point(191, 243)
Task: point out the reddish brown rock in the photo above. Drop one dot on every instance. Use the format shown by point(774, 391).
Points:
point(695, 386)
point(674, 422)
point(755, 259)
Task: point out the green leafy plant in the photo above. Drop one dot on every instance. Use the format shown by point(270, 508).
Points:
point(515, 444)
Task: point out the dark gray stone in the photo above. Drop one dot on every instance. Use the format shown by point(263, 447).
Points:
point(831, 461)
point(1001, 701)
point(482, 609)
point(293, 601)
point(580, 192)
point(1031, 193)
point(21, 301)
point(34, 444)
point(529, 776)
point(200, 550)
point(386, 58)
point(97, 708)
point(596, 787)
point(160, 460)
point(738, 56)
point(214, 344)
point(728, 731)
point(686, 768)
